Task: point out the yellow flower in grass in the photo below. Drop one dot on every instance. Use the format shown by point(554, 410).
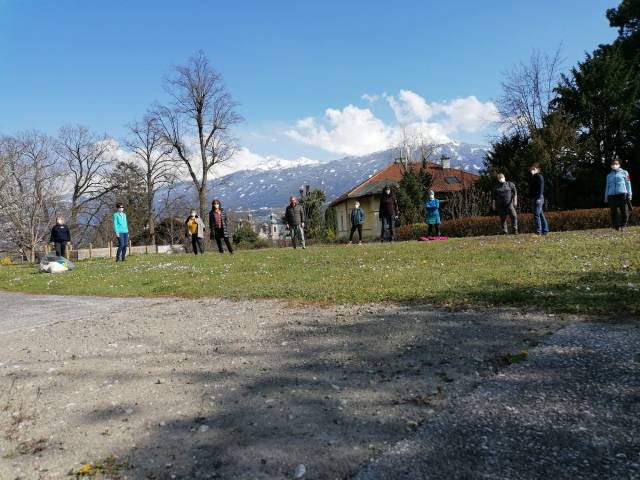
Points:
point(85, 469)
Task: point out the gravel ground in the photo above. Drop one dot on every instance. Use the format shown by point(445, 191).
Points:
point(572, 411)
point(244, 390)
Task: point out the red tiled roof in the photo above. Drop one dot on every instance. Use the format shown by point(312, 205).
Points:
point(393, 174)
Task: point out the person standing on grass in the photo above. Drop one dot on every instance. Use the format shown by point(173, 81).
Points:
point(195, 229)
point(505, 201)
point(357, 219)
point(60, 237)
point(388, 212)
point(218, 227)
point(432, 214)
point(294, 218)
point(618, 195)
point(121, 229)
point(536, 194)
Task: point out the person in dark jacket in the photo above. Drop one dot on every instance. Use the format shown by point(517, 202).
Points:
point(218, 226)
point(60, 237)
point(536, 194)
point(195, 229)
point(505, 201)
point(357, 219)
point(388, 212)
point(294, 218)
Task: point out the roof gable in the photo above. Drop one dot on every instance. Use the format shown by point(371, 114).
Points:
point(444, 180)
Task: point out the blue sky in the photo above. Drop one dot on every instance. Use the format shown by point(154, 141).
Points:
point(434, 64)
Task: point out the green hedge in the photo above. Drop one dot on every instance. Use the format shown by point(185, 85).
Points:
point(477, 226)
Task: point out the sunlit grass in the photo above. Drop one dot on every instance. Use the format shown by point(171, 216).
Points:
point(594, 271)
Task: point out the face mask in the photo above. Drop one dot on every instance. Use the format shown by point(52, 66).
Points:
point(387, 192)
point(533, 172)
point(615, 167)
point(431, 197)
point(501, 180)
point(60, 222)
point(357, 205)
point(121, 210)
point(216, 206)
point(192, 215)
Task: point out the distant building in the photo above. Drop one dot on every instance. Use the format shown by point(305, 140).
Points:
point(272, 229)
point(445, 181)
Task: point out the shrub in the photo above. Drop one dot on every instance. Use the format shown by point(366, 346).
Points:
point(245, 234)
point(6, 261)
point(478, 226)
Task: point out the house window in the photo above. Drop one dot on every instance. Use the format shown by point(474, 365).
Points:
point(452, 179)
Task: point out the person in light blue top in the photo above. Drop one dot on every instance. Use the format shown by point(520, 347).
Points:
point(121, 229)
point(432, 214)
point(617, 194)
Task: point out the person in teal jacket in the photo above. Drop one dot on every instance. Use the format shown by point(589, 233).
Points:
point(617, 194)
point(432, 214)
point(121, 229)
point(357, 220)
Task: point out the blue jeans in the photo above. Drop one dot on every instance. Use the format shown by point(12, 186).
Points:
point(539, 220)
point(388, 222)
point(123, 242)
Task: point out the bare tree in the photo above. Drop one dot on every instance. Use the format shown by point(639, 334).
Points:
point(29, 190)
point(527, 91)
point(159, 167)
point(197, 124)
point(87, 158)
point(468, 202)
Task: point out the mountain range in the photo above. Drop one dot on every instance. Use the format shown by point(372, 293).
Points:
point(262, 189)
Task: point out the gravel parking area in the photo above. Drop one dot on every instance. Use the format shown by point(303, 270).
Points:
point(218, 389)
point(572, 411)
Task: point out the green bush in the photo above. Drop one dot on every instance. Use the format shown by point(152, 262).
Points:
point(477, 226)
point(245, 234)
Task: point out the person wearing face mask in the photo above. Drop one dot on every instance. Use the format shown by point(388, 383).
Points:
point(505, 201)
point(195, 229)
point(432, 214)
point(218, 226)
point(618, 195)
point(60, 237)
point(388, 212)
point(536, 194)
point(294, 218)
point(357, 219)
point(121, 229)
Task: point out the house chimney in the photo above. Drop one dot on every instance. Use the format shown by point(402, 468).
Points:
point(445, 162)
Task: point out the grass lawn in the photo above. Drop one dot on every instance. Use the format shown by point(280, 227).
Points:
point(594, 271)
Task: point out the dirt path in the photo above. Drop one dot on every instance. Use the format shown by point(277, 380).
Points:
point(217, 389)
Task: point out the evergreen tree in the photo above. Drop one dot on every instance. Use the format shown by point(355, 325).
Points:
point(411, 194)
point(313, 205)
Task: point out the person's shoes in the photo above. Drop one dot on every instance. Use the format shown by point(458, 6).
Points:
point(515, 232)
point(621, 228)
point(439, 234)
point(349, 243)
point(360, 242)
point(545, 233)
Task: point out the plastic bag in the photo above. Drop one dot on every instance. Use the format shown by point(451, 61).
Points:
point(54, 264)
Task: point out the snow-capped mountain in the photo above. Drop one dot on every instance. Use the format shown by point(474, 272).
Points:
point(268, 188)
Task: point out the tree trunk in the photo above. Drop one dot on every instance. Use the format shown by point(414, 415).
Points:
point(202, 198)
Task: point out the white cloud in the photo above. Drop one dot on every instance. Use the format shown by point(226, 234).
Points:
point(358, 131)
point(370, 98)
point(350, 131)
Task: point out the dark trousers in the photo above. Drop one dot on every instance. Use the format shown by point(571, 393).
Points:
point(435, 227)
point(61, 249)
point(123, 242)
point(618, 203)
point(197, 244)
point(508, 211)
point(219, 235)
point(353, 230)
point(539, 220)
point(390, 223)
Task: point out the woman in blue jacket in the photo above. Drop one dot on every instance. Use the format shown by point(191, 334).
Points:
point(617, 194)
point(432, 214)
point(357, 219)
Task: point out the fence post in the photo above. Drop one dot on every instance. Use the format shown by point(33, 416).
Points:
point(146, 249)
point(110, 249)
point(91, 250)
